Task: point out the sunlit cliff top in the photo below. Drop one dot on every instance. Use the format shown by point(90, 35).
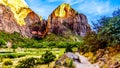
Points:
point(64, 10)
point(19, 8)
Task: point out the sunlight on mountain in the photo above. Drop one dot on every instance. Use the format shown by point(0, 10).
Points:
point(19, 8)
point(62, 10)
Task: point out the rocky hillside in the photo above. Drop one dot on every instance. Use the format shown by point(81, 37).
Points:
point(65, 20)
point(16, 16)
point(7, 21)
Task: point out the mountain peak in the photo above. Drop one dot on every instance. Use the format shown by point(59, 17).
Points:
point(67, 21)
point(64, 10)
point(19, 9)
point(17, 21)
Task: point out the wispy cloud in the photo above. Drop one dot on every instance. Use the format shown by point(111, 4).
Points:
point(73, 2)
point(44, 11)
point(95, 7)
point(54, 0)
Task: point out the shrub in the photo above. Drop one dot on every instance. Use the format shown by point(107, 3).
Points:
point(7, 62)
point(68, 49)
point(2, 42)
point(31, 62)
point(27, 63)
point(61, 44)
point(37, 45)
point(11, 55)
point(93, 42)
point(48, 57)
point(52, 44)
point(111, 32)
point(69, 63)
point(107, 32)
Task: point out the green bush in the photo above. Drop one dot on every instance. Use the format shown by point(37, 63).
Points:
point(93, 42)
point(111, 32)
point(31, 62)
point(27, 63)
point(70, 45)
point(7, 62)
point(69, 63)
point(2, 42)
point(52, 44)
point(106, 32)
point(48, 57)
point(61, 44)
point(11, 55)
point(68, 49)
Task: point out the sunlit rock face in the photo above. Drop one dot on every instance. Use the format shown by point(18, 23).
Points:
point(19, 9)
point(16, 16)
point(7, 20)
point(65, 20)
point(9, 24)
point(63, 11)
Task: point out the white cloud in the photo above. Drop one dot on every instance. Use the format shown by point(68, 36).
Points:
point(73, 2)
point(95, 8)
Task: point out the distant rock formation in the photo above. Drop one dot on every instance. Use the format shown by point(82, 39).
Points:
point(64, 19)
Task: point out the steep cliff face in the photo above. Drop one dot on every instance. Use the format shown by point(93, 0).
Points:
point(19, 9)
point(7, 20)
point(9, 24)
point(38, 28)
point(65, 20)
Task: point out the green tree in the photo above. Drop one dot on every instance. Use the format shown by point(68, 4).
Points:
point(107, 32)
point(2, 42)
point(111, 33)
point(48, 57)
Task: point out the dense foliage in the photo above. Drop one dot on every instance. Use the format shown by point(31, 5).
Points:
point(7, 62)
point(27, 63)
point(31, 61)
point(11, 55)
point(107, 32)
point(2, 42)
point(48, 57)
point(111, 32)
point(52, 41)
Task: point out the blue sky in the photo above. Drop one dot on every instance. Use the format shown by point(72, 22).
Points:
point(93, 9)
